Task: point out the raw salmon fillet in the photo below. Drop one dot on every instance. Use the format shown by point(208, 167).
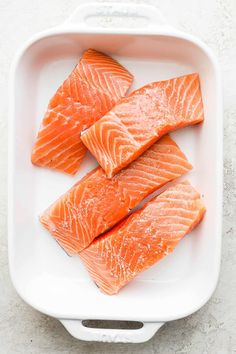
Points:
point(90, 91)
point(96, 203)
point(140, 119)
point(143, 238)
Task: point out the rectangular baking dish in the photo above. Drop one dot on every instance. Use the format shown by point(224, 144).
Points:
point(43, 275)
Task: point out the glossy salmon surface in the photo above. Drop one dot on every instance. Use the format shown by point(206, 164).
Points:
point(141, 118)
point(95, 85)
point(96, 203)
point(143, 238)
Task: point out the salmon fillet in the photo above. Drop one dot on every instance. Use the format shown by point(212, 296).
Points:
point(96, 203)
point(140, 119)
point(90, 91)
point(143, 238)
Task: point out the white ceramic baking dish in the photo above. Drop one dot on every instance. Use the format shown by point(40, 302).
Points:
point(42, 273)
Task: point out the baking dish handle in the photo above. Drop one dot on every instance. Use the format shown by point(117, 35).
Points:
point(104, 16)
point(79, 331)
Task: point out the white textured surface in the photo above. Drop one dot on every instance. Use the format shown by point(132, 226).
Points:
point(210, 330)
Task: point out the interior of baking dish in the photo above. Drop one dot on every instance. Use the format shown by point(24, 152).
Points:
point(43, 274)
